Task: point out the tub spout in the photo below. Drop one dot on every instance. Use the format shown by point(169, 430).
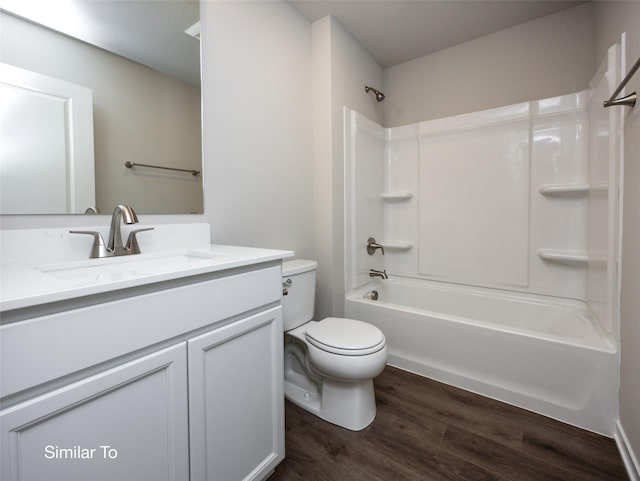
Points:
point(377, 273)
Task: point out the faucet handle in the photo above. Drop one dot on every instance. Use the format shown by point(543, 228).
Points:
point(98, 249)
point(372, 245)
point(132, 241)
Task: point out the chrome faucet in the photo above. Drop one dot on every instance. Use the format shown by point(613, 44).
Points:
point(372, 245)
point(114, 247)
point(377, 273)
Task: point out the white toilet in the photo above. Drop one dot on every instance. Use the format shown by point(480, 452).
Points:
point(329, 365)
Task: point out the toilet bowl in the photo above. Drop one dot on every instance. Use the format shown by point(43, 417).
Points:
point(329, 364)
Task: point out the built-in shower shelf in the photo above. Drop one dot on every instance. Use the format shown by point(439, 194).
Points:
point(397, 245)
point(566, 190)
point(599, 186)
point(559, 190)
point(396, 196)
point(563, 256)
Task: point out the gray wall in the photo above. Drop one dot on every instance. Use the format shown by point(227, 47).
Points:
point(550, 56)
point(613, 18)
point(341, 69)
point(257, 125)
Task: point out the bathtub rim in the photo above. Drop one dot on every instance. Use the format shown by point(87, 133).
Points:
point(600, 339)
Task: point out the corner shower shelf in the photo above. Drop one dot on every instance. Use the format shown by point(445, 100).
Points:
point(599, 186)
point(395, 196)
point(397, 245)
point(566, 190)
point(563, 256)
point(558, 190)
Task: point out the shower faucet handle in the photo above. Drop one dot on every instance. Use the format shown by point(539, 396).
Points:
point(372, 245)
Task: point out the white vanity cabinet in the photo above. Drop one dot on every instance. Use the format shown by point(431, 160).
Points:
point(235, 408)
point(178, 380)
point(126, 423)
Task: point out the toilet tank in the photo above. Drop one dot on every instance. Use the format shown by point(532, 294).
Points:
point(299, 280)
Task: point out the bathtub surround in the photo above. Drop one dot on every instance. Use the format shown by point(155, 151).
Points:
point(503, 198)
point(606, 166)
point(522, 199)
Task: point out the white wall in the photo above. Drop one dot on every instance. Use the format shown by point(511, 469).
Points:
point(257, 125)
point(613, 18)
point(341, 69)
point(504, 68)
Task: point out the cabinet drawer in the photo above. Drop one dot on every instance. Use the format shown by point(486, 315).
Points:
point(45, 348)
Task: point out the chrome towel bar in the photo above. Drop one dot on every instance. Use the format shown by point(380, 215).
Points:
point(130, 165)
point(629, 100)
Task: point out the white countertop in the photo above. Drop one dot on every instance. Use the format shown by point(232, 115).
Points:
point(25, 285)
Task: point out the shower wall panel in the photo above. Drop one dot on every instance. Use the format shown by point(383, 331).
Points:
point(559, 186)
point(474, 198)
point(401, 186)
point(603, 199)
point(506, 198)
point(494, 195)
point(524, 197)
point(364, 151)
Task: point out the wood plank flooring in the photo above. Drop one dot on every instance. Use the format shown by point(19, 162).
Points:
point(427, 431)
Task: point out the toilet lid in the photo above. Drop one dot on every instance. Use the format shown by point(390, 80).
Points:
point(347, 337)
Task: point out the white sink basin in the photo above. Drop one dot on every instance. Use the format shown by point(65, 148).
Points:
point(127, 267)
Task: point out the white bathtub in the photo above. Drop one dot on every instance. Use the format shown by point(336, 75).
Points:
point(544, 354)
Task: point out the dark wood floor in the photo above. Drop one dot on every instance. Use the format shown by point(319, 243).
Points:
point(425, 430)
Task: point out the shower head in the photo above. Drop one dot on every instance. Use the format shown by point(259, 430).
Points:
point(379, 95)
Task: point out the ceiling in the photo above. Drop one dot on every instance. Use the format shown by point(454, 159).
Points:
point(394, 31)
point(150, 32)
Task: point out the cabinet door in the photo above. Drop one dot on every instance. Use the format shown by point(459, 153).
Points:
point(236, 401)
point(128, 423)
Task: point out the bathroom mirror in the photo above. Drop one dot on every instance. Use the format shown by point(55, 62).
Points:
point(140, 63)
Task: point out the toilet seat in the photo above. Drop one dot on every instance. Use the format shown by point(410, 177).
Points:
point(346, 337)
